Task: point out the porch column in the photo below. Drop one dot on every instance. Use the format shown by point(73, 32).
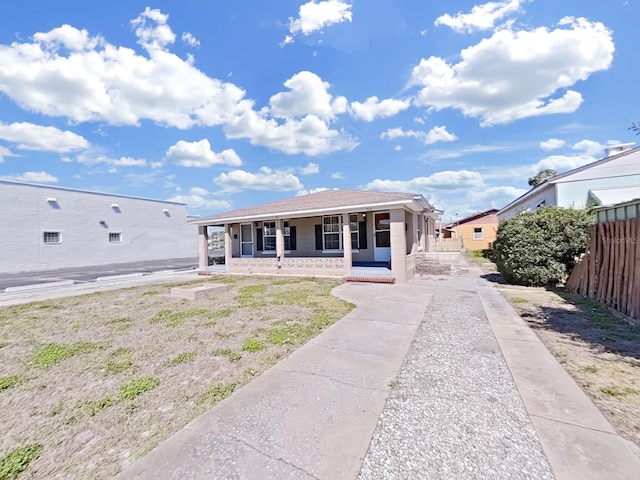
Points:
point(346, 243)
point(279, 240)
point(228, 247)
point(414, 236)
point(398, 245)
point(423, 234)
point(203, 248)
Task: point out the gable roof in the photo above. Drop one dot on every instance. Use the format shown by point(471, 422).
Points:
point(614, 195)
point(321, 203)
point(632, 157)
point(480, 217)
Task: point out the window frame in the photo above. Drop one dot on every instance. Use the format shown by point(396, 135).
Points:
point(478, 235)
point(113, 235)
point(46, 233)
point(355, 233)
point(286, 233)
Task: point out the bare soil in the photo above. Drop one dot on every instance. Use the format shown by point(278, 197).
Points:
point(99, 380)
point(599, 348)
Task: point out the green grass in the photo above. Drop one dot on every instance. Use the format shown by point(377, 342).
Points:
point(151, 293)
point(249, 295)
point(519, 300)
point(216, 393)
point(120, 360)
point(137, 387)
point(94, 407)
point(16, 461)
point(252, 345)
point(8, 382)
point(120, 324)
point(591, 369)
point(54, 353)
point(615, 391)
point(222, 313)
point(185, 357)
point(175, 319)
point(232, 355)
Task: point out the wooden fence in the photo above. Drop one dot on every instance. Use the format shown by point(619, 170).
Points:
point(609, 272)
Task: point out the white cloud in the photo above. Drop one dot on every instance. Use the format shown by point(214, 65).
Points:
point(265, 179)
point(114, 84)
point(482, 17)
point(314, 16)
point(398, 148)
point(552, 144)
point(29, 136)
point(447, 180)
point(561, 163)
point(199, 154)
point(308, 95)
point(337, 176)
point(310, 169)
point(5, 152)
point(309, 135)
point(373, 108)
point(300, 193)
point(200, 198)
point(495, 197)
point(91, 158)
point(436, 134)
point(589, 147)
point(530, 72)
point(36, 177)
point(128, 162)
point(190, 40)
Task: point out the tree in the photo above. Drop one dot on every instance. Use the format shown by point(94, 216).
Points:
point(540, 248)
point(541, 177)
point(635, 128)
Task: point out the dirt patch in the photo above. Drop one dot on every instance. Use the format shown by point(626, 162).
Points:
point(600, 350)
point(92, 383)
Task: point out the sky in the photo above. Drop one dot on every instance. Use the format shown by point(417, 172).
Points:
point(228, 104)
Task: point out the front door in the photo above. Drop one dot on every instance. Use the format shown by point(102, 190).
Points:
point(246, 240)
point(381, 237)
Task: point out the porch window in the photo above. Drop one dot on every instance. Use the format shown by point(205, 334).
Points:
point(478, 233)
point(269, 236)
point(332, 232)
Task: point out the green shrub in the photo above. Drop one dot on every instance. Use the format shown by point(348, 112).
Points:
point(16, 461)
point(539, 248)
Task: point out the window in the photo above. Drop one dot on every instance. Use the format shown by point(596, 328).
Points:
point(478, 233)
point(332, 232)
point(52, 237)
point(269, 236)
point(115, 237)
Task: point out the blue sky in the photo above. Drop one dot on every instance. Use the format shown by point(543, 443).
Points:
point(223, 105)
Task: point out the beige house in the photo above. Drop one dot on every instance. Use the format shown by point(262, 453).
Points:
point(478, 231)
point(325, 233)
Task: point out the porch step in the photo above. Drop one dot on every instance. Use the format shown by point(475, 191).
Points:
point(371, 278)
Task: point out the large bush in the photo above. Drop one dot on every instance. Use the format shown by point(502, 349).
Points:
point(539, 248)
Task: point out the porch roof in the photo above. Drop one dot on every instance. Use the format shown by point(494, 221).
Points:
point(323, 203)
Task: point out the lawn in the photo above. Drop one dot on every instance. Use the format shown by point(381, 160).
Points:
point(89, 384)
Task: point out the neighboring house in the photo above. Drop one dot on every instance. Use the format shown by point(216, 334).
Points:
point(46, 227)
point(583, 186)
point(619, 211)
point(325, 233)
point(477, 231)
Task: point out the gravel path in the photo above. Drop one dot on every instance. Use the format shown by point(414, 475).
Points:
point(454, 411)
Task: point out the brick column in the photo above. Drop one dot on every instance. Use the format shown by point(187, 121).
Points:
point(398, 245)
point(346, 243)
point(279, 241)
point(203, 248)
point(228, 247)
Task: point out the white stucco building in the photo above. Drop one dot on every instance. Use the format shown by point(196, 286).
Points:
point(612, 179)
point(46, 227)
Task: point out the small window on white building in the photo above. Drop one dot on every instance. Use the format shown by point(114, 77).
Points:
point(115, 237)
point(478, 233)
point(52, 237)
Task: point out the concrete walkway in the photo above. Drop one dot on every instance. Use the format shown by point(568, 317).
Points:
point(438, 378)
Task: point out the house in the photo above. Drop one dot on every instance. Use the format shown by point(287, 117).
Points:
point(615, 176)
point(325, 233)
point(477, 231)
point(48, 227)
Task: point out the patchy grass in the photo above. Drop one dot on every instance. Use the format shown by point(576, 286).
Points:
point(105, 377)
point(16, 461)
point(9, 381)
point(599, 349)
point(184, 357)
point(137, 387)
point(54, 353)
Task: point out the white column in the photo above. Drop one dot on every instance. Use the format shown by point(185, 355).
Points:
point(423, 234)
point(414, 235)
point(346, 243)
point(398, 246)
point(279, 240)
point(228, 247)
point(203, 248)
